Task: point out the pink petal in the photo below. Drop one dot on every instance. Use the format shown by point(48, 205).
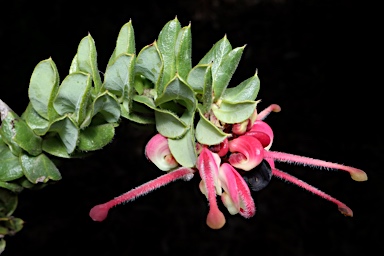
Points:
point(208, 170)
point(247, 205)
point(157, 150)
point(247, 152)
point(228, 182)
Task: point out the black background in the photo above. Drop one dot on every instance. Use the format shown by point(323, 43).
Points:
point(314, 59)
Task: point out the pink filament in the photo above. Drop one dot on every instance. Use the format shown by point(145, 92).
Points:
point(285, 176)
point(100, 212)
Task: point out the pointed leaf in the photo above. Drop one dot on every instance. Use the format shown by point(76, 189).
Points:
point(74, 65)
point(39, 168)
point(234, 112)
point(197, 76)
point(178, 90)
point(169, 125)
point(183, 49)
point(207, 92)
point(207, 133)
point(53, 145)
point(16, 133)
point(73, 95)
point(10, 168)
point(68, 132)
point(246, 90)
point(43, 87)
point(119, 75)
point(8, 203)
point(149, 63)
point(125, 43)
point(184, 149)
point(217, 53)
point(87, 60)
point(37, 123)
point(107, 105)
point(224, 72)
point(166, 43)
point(26, 138)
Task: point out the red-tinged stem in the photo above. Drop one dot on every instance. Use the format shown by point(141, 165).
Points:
point(285, 176)
point(100, 212)
point(356, 174)
point(272, 108)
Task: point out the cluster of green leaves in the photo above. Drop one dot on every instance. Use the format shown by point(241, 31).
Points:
point(79, 114)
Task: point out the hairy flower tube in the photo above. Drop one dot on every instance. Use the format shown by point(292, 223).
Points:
point(240, 163)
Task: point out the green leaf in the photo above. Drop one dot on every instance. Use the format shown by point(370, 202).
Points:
point(107, 105)
point(184, 149)
point(15, 188)
point(198, 75)
point(183, 49)
point(73, 95)
point(246, 90)
point(8, 203)
point(207, 92)
point(140, 113)
point(217, 53)
point(26, 138)
point(169, 124)
point(231, 113)
point(87, 60)
point(68, 131)
point(125, 43)
point(178, 90)
point(224, 72)
point(43, 86)
point(96, 137)
point(7, 130)
point(10, 168)
point(39, 168)
point(17, 134)
point(36, 122)
point(149, 63)
point(53, 145)
point(207, 133)
point(166, 43)
point(74, 65)
point(119, 75)
point(2, 245)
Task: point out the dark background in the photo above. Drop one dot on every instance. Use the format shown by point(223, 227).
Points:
point(314, 58)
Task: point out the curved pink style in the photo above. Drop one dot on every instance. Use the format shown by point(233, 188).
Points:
point(356, 174)
point(157, 150)
point(247, 152)
point(271, 108)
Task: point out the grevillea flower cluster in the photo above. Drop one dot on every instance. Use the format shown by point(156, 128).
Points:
point(207, 128)
point(230, 169)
